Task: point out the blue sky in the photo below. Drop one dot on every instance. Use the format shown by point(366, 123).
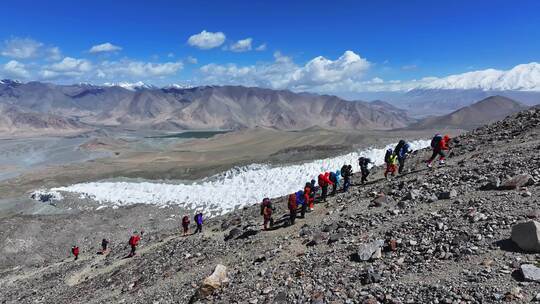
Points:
point(390, 40)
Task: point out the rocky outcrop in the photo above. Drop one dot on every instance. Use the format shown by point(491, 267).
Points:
point(527, 236)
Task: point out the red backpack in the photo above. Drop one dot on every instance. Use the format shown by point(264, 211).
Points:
point(134, 240)
point(292, 202)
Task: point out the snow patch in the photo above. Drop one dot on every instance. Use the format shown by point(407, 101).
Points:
point(45, 196)
point(222, 193)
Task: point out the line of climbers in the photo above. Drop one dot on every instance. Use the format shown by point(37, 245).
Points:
point(136, 237)
point(304, 200)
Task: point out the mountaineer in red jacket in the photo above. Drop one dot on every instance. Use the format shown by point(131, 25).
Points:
point(324, 181)
point(75, 252)
point(439, 145)
point(134, 242)
point(308, 196)
point(292, 208)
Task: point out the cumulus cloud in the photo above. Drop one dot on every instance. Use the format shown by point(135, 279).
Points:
point(284, 73)
point(21, 48)
point(243, 45)
point(104, 47)
point(15, 69)
point(206, 40)
point(261, 47)
point(129, 69)
point(69, 64)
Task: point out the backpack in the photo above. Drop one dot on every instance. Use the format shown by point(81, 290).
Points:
point(387, 155)
point(185, 220)
point(333, 177)
point(436, 140)
point(133, 241)
point(321, 181)
point(265, 203)
point(292, 202)
point(344, 170)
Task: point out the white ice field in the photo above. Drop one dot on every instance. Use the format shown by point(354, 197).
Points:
point(226, 191)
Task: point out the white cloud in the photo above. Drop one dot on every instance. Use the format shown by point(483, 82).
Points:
point(191, 60)
point(69, 64)
point(21, 48)
point(104, 47)
point(206, 40)
point(243, 45)
point(54, 53)
point(261, 47)
point(138, 69)
point(284, 73)
point(15, 69)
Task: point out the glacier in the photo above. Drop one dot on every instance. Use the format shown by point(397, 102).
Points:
point(222, 193)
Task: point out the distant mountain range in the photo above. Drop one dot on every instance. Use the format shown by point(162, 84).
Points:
point(423, 102)
point(480, 113)
point(36, 105)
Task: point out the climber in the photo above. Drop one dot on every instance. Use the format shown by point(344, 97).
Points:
point(267, 216)
point(292, 208)
point(134, 242)
point(439, 144)
point(309, 195)
point(402, 150)
point(301, 200)
point(324, 182)
point(104, 244)
point(334, 177)
point(198, 219)
point(346, 173)
point(391, 163)
point(364, 162)
point(266, 202)
point(185, 224)
point(75, 251)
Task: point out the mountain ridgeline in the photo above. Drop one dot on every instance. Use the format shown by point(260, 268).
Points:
point(36, 105)
point(480, 113)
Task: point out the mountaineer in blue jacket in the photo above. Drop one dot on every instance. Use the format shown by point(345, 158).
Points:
point(401, 151)
point(301, 201)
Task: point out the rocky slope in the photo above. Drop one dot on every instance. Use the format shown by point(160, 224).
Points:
point(444, 234)
point(211, 107)
point(480, 113)
point(15, 120)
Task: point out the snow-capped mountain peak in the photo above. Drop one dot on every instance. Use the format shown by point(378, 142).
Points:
point(130, 86)
point(523, 77)
point(178, 86)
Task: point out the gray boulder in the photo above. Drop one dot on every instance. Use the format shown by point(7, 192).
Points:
point(527, 236)
point(517, 181)
point(368, 251)
point(447, 195)
point(530, 272)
